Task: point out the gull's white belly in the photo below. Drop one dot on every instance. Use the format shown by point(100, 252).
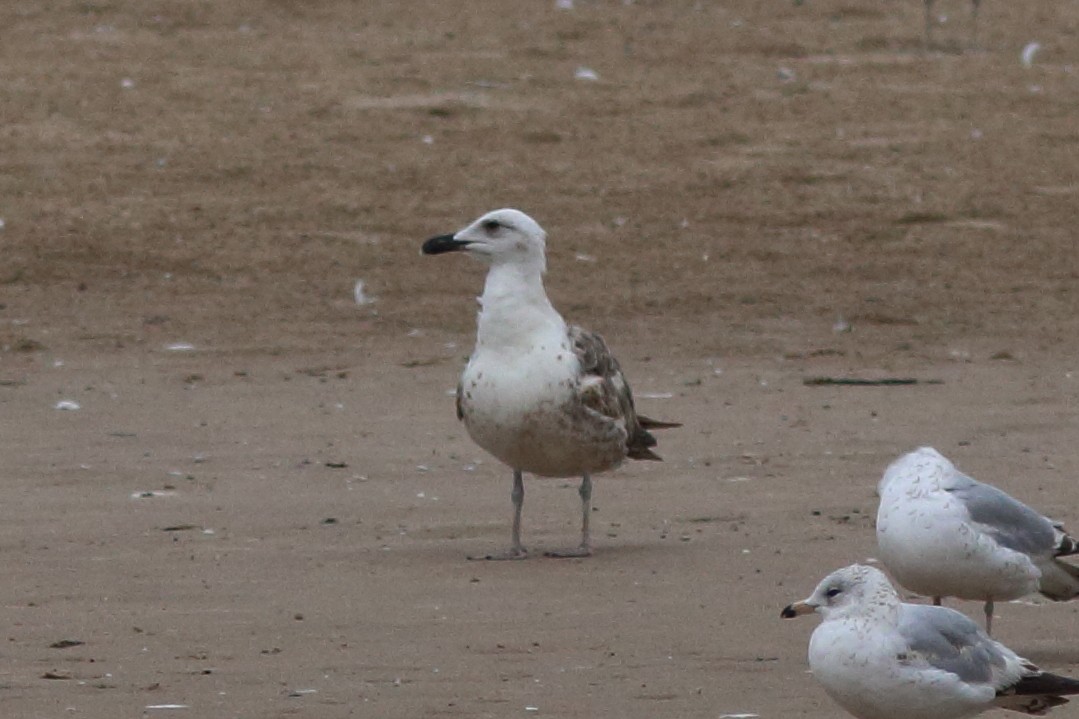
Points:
point(524, 410)
point(931, 549)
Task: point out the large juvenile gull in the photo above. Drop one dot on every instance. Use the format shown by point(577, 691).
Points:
point(540, 395)
point(943, 534)
point(879, 658)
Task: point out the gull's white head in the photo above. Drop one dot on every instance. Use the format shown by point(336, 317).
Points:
point(924, 464)
point(500, 237)
point(849, 590)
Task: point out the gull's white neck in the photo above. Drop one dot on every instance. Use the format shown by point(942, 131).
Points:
point(514, 307)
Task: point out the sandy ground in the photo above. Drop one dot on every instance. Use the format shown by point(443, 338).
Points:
point(274, 522)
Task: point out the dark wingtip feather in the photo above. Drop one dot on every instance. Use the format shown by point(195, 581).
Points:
point(1052, 686)
point(649, 423)
point(643, 453)
point(1037, 692)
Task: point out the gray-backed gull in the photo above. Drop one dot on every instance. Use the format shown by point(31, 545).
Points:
point(942, 534)
point(879, 658)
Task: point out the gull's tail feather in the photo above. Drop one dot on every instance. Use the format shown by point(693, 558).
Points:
point(1065, 544)
point(643, 453)
point(1059, 580)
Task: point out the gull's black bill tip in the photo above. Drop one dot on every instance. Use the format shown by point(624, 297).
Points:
point(443, 243)
point(797, 609)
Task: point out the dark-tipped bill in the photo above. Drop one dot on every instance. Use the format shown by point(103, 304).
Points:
point(797, 609)
point(443, 243)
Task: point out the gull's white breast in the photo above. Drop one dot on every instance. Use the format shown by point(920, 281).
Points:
point(523, 407)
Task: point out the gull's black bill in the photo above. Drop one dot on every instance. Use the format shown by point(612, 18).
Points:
point(443, 243)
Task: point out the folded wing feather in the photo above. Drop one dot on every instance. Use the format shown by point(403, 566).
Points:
point(604, 390)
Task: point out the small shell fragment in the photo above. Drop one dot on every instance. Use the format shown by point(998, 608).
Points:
point(360, 295)
point(1027, 56)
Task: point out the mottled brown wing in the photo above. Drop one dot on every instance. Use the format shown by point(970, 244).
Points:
point(605, 390)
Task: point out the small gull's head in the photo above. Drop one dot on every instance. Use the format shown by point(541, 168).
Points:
point(849, 590)
point(500, 236)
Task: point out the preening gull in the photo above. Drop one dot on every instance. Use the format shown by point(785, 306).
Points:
point(542, 396)
point(942, 534)
point(879, 658)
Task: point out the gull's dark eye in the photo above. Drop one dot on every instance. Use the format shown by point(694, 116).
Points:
point(833, 591)
point(491, 226)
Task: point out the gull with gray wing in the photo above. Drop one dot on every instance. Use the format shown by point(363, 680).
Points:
point(942, 534)
point(880, 658)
